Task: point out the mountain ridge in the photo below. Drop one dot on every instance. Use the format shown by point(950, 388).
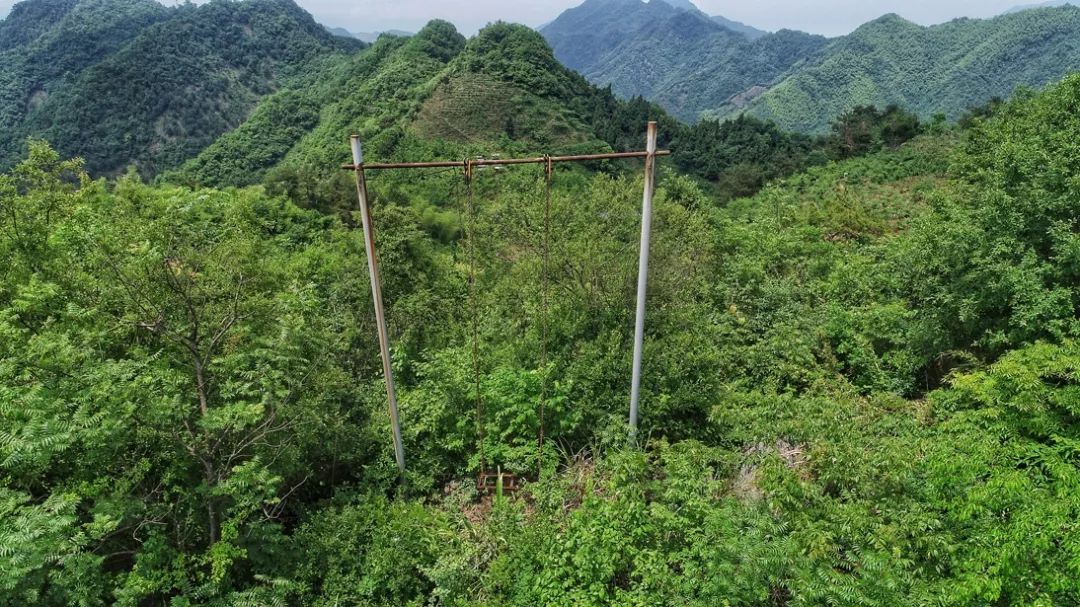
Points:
point(435, 81)
point(739, 27)
point(1048, 4)
point(682, 59)
point(750, 32)
point(945, 68)
point(154, 85)
point(803, 82)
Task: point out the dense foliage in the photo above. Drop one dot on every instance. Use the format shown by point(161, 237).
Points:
point(693, 67)
point(944, 68)
point(675, 56)
point(860, 384)
point(122, 82)
point(502, 92)
point(740, 156)
point(861, 370)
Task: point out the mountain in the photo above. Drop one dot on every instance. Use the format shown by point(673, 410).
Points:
point(944, 68)
point(1050, 4)
point(682, 59)
point(740, 28)
point(340, 31)
point(122, 82)
point(582, 36)
point(43, 43)
point(749, 31)
point(694, 67)
point(367, 37)
point(435, 91)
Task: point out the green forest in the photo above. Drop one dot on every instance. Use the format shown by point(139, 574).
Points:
point(671, 53)
point(675, 55)
point(945, 68)
point(122, 82)
point(861, 370)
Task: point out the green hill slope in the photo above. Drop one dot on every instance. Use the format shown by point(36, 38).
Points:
point(146, 85)
point(502, 90)
point(945, 68)
point(365, 93)
point(693, 67)
point(45, 44)
point(681, 59)
point(29, 20)
point(860, 385)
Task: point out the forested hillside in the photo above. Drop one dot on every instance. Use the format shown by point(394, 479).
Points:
point(279, 118)
point(688, 64)
point(428, 95)
point(129, 82)
point(861, 368)
point(44, 42)
point(502, 92)
point(859, 384)
point(678, 57)
point(946, 68)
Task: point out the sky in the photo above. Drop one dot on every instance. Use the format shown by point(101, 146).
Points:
point(829, 17)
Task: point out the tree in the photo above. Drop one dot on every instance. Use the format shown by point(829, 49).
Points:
point(171, 342)
point(865, 129)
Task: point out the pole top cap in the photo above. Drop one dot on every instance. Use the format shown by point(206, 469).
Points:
point(357, 150)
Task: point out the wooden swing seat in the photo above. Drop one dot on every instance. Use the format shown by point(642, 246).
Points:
point(488, 482)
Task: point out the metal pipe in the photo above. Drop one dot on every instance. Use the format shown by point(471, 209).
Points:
point(501, 161)
point(407, 165)
point(376, 294)
point(643, 274)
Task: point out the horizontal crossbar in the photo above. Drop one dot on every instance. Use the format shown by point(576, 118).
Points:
point(479, 162)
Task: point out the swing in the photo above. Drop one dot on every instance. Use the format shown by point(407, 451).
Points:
point(491, 482)
point(487, 480)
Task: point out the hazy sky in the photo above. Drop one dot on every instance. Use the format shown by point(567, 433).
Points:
point(830, 17)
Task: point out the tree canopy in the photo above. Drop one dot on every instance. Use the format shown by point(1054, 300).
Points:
point(859, 386)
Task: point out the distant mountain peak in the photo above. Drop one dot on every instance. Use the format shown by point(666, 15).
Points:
point(367, 37)
point(749, 31)
point(888, 21)
point(1048, 4)
point(890, 18)
point(685, 5)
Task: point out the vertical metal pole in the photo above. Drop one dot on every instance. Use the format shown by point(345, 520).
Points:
point(643, 274)
point(376, 294)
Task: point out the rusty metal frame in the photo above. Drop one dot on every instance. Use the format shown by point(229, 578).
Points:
point(479, 162)
point(358, 167)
